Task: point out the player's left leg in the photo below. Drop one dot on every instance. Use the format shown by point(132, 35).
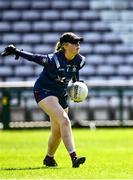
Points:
point(53, 143)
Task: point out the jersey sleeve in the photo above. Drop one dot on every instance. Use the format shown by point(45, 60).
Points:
point(82, 62)
point(37, 58)
point(80, 66)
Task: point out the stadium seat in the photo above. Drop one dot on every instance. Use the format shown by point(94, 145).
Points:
point(42, 49)
point(86, 48)
point(102, 49)
point(33, 38)
point(25, 47)
point(5, 27)
point(21, 27)
point(100, 26)
point(38, 70)
point(6, 71)
point(40, 5)
point(70, 15)
point(95, 59)
point(80, 5)
point(125, 70)
point(129, 59)
point(20, 4)
point(51, 38)
point(11, 15)
point(60, 4)
point(126, 15)
point(50, 15)
point(109, 16)
point(4, 5)
point(122, 49)
point(23, 71)
point(111, 38)
point(30, 15)
point(92, 37)
point(14, 79)
point(10, 60)
point(41, 26)
point(106, 70)
point(114, 60)
point(90, 15)
point(88, 70)
point(11, 38)
point(61, 26)
point(80, 26)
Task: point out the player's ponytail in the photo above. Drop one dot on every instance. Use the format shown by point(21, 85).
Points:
point(59, 47)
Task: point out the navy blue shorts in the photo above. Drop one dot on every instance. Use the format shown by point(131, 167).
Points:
point(63, 99)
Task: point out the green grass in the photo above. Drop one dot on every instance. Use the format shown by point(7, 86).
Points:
point(109, 154)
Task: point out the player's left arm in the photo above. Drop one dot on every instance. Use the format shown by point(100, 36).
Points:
point(37, 58)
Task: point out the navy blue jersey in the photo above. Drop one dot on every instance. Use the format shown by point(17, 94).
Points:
point(57, 71)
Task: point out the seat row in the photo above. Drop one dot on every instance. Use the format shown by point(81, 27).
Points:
point(105, 70)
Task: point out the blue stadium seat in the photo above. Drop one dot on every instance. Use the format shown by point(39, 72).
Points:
point(31, 15)
point(14, 79)
point(115, 59)
point(38, 70)
point(86, 48)
point(70, 15)
point(42, 49)
point(90, 15)
point(102, 49)
point(88, 70)
point(80, 26)
point(23, 71)
point(58, 4)
point(125, 70)
point(11, 38)
point(50, 37)
point(50, 15)
point(95, 59)
point(33, 38)
point(40, 4)
point(106, 70)
point(4, 5)
point(21, 27)
point(92, 37)
point(20, 4)
point(61, 26)
point(5, 27)
point(41, 26)
point(6, 71)
point(11, 15)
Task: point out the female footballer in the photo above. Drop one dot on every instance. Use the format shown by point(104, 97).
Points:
point(50, 91)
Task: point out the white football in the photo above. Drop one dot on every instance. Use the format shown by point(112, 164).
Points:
point(78, 91)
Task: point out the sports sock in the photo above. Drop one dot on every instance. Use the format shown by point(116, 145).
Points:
point(73, 155)
point(49, 157)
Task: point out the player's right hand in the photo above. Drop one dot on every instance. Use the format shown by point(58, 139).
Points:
point(9, 50)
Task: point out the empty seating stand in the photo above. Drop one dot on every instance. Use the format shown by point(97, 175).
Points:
point(35, 26)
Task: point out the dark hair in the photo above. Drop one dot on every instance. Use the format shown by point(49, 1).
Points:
point(70, 38)
point(67, 37)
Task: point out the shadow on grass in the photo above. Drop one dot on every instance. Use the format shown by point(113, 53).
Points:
point(27, 168)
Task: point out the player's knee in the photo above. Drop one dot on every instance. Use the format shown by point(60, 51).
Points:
point(65, 121)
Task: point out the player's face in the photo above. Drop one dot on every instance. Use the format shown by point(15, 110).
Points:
point(73, 48)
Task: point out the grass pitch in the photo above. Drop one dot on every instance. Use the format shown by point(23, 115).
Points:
point(109, 154)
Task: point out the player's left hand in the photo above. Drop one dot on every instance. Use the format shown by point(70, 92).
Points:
point(9, 50)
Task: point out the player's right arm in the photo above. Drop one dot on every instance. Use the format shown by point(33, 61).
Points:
point(12, 50)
